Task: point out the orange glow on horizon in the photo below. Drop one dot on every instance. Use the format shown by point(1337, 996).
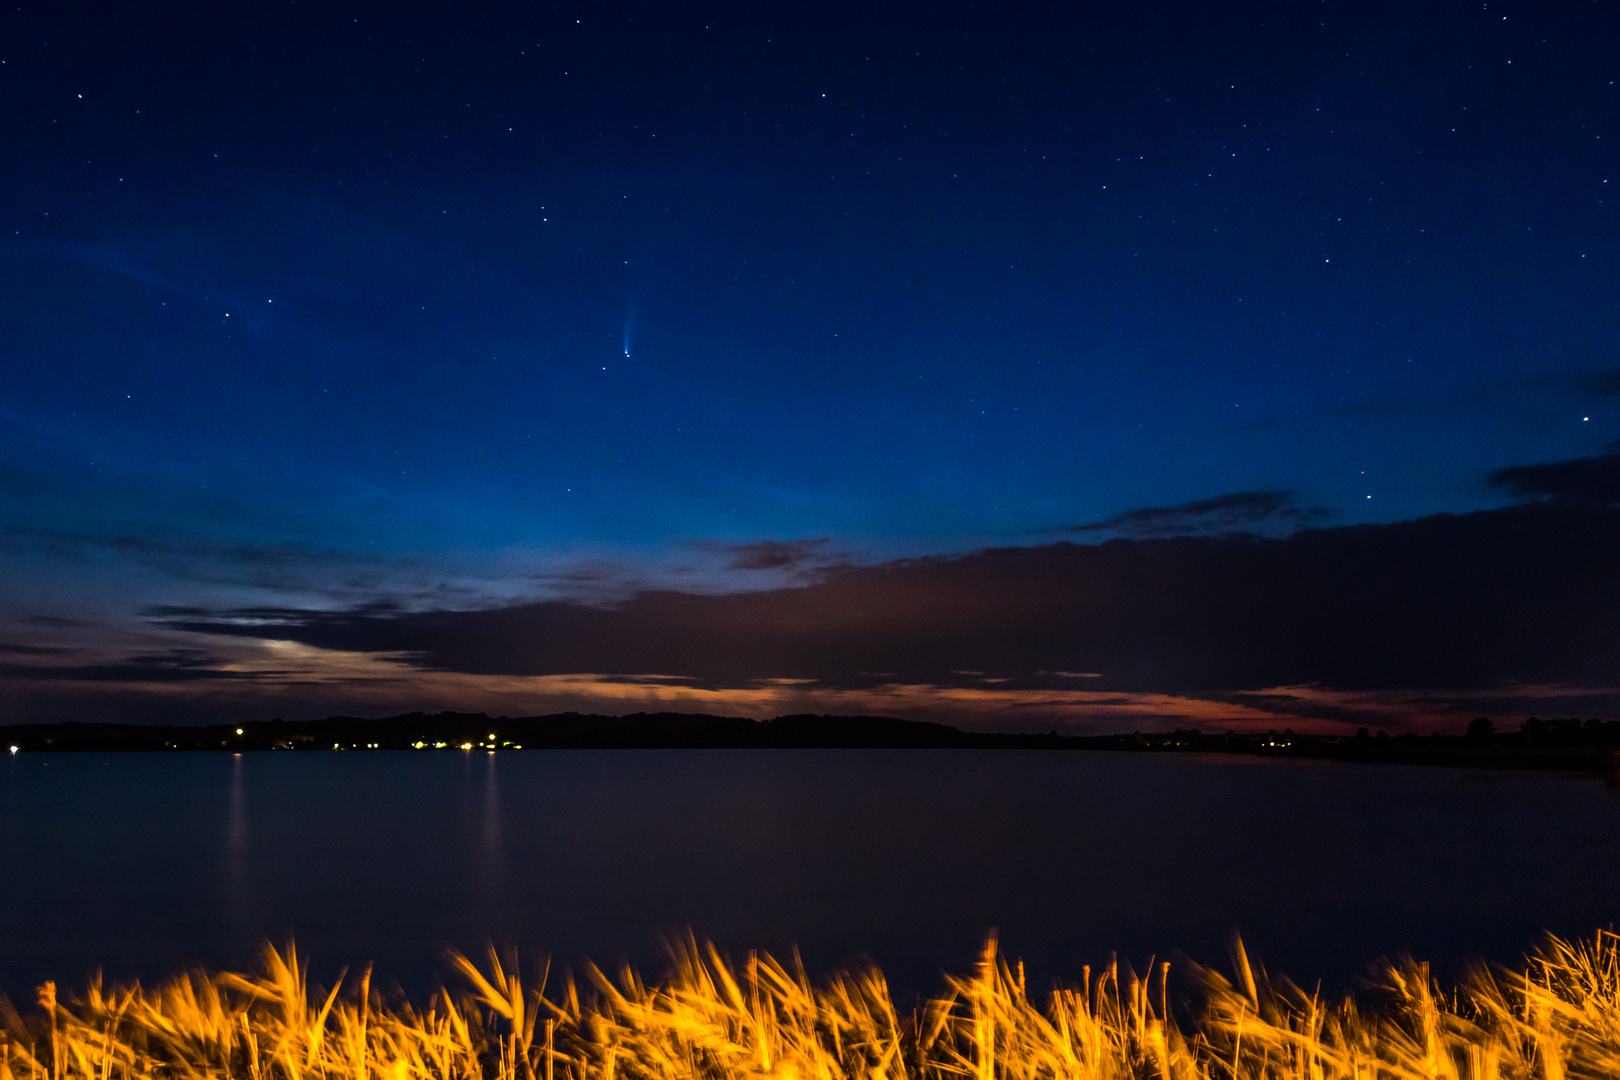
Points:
point(287, 678)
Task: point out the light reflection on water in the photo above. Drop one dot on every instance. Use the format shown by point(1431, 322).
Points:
point(490, 866)
point(146, 862)
point(238, 889)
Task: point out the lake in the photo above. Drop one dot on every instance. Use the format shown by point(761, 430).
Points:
point(144, 863)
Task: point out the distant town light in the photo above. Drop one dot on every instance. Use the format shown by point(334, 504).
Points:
point(13, 749)
point(239, 731)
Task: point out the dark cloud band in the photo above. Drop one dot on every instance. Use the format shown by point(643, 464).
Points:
point(1527, 594)
point(1240, 511)
point(1589, 479)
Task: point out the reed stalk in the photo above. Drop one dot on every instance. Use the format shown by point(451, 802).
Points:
point(1556, 1017)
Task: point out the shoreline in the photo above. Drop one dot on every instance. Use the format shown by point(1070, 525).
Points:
point(1590, 747)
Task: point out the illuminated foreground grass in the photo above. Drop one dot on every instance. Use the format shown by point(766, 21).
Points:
point(1557, 1016)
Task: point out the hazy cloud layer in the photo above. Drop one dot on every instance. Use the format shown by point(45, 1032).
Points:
point(1524, 595)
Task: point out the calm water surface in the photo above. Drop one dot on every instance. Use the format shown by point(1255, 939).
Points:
point(144, 863)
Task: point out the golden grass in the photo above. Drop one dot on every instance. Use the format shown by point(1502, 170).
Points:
point(1556, 1018)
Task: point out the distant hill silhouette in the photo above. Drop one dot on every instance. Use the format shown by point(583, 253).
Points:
point(449, 730)
point(1590, 746)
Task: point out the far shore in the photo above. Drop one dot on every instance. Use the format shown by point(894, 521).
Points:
point(1571, 745)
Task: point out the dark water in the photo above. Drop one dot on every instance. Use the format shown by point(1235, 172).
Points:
point(144, 863)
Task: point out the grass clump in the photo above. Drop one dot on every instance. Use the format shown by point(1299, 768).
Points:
point(1555, 1018)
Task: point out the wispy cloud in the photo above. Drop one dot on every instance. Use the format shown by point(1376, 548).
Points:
point(281, 566)
point(776, 554)
point(1599, 384)
point(179, 665)
point(121, 260)
point(1589, 479)
point(1241, 511)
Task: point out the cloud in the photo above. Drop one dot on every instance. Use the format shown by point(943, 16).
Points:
point(774, 554)
point(1563, 384)
point(1599, 384)
point(1589, 479)
point(1527, 594)
point(284, 567)
point(54, 620)
point(177, 665)
point(124, 261)
point(175, 553)
point(1240, 511)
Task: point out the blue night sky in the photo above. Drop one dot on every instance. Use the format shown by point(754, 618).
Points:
point(1015, 366)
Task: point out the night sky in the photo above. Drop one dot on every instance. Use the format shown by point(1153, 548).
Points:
point(1089, 367)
